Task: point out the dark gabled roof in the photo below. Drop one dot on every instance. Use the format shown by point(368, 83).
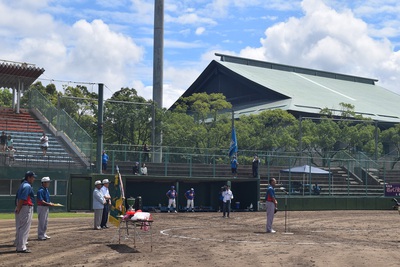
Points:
point(13, 74)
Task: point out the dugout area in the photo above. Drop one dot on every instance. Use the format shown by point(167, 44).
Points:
point(75, 192)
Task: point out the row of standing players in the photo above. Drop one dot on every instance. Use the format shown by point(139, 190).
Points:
point(225, 198)
point(25, 199)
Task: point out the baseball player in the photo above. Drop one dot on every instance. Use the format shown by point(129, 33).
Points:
point(43, 204)
point(24, 212)
point(171, 195)
point(189, 195)
point(271, 204)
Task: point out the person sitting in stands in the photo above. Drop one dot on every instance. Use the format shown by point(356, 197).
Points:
point(135, 169)
point(143, 170)
point(317, 189)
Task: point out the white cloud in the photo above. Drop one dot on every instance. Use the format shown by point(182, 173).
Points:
point(200, 30)
point(329, 40)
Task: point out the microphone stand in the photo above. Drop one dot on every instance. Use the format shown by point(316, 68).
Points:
point(286, 213)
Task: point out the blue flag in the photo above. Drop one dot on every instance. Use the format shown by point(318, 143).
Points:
point(233, 147)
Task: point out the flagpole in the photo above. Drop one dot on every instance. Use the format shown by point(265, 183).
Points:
point(233, 123)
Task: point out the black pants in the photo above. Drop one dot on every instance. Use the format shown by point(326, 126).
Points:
point(255, 172)
point(104, 218)
point(226, 208)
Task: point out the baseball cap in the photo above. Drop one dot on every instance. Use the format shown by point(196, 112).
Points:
point(191, 189)
point(172, 187)
point(97, 182)
point(106, 181)
point(30, 173)
point(45, 179)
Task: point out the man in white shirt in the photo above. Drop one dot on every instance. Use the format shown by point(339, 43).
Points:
point(106, 209)
point(98, 204)
point(44, 143)
point(227, 196)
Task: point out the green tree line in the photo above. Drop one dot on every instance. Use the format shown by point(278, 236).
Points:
point(202, 122)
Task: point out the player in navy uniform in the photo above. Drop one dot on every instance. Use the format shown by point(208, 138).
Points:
point(189, 195)
point(171, 194)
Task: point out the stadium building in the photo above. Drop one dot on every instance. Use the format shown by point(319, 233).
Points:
point(252, 86)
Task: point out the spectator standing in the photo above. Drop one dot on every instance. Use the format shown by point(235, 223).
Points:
point(43, 204)
point(255, 164)
point(107, 198)
point(227, 197)
point(171, 195)
point(189, 195)
point(104, 161)
point(234, 165)
point(24, 212)
point(98, 204)
point(11, 155)
point(146, 151)
point(135, 169)
point(143, 169)
point(44, 143)
point(271, 205)
point(10, 141)
point(3, 141)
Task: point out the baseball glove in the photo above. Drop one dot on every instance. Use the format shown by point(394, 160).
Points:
point(276, 210)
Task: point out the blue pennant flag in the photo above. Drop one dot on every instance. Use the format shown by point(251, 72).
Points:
point(233, 147)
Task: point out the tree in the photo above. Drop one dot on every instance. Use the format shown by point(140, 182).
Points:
point(212, 128)
point(272, 130)
point(203, 105)
point(5, 98)
point(127, 118)
point(391, 137)
point(82, 106)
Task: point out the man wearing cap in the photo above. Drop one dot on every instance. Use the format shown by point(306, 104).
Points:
point(189, 195)
point(98, 204)
point(43, 204)
point(171, 195)
point(24, 212)
point(106, 209)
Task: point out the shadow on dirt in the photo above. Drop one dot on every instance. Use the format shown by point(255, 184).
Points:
point(122, 248)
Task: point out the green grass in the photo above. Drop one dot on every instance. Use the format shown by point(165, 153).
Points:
point(6, 216)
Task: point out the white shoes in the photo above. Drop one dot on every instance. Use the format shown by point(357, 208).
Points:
point(271, 232)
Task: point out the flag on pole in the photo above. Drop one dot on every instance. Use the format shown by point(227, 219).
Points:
point(117, 200)
point(233, 147)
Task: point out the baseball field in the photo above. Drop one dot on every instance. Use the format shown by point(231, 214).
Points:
point(308, 238)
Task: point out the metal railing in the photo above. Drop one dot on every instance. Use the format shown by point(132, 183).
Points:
point(62, 122)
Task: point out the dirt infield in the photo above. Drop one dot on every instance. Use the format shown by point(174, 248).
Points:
point(320, 238)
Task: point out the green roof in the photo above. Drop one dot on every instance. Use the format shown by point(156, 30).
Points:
point(309, 93)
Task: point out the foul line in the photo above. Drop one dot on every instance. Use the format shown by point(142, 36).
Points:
point(166, 233)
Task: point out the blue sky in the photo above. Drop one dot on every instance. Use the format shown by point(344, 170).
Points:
point(111, 42)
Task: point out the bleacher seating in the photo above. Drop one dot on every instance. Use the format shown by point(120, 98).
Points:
point(26, 131)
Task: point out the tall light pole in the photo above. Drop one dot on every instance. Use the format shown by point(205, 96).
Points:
point(158, 61)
